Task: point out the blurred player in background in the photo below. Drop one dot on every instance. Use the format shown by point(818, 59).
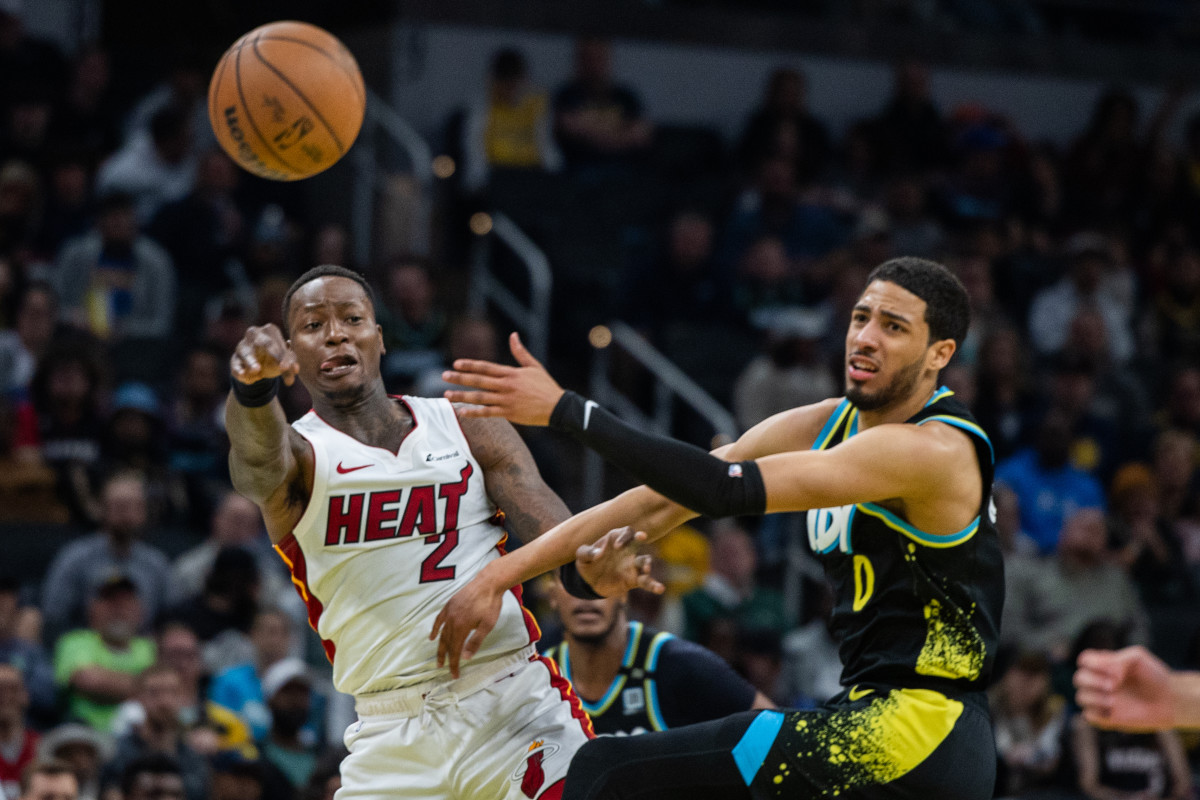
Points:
point(383, 507)
point(634, 679)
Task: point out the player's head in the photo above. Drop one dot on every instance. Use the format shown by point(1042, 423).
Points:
point(587, 621)
point(904, 329)
point(329, 316)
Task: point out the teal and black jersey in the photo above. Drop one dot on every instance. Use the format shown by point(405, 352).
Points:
point(912, 609)
point(664, 682)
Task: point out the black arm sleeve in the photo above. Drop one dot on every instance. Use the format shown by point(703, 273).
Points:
point(682, 472)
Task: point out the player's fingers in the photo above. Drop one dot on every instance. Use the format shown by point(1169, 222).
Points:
point(477, 398)
point(473, 380)
point(488, 368)
point(520, 353)
point(1099, 716)
point(438, 622)
point(1091, 679)
point(650, 584)
point(624, 536)
point(477, 412)
point(586, 553)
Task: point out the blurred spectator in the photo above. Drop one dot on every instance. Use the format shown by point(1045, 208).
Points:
point(87, 121)
point(161, 731)
point(1181, 411)
point(185, 88)
point(208, 728)
point(1089, 283)
point(326, 778)
point(96, 667)
point(26, 656)
point(987, 315)
point(237, 522)
point(65, 393)
point(1028, 720)
point(979, 187)
point(18, 743)
point(115, 549)
point(28, 487)
point(21, 203)
point(69, 204)
point(27, 124)
point(1067, 592)
point(682, 285)
point(1103, 162)
point(1149, 547)
point(767, 284)
point(155, 776)
point(83, 749)
point(1094, 440)
point(469, 337)
point(28, 341)
point(790, 373)
point(597, 121)
point(812, 670)
point(196, 440)
point(24, 58)
point(222, 614)
point(730, 590)
point(509, 128)
point(1050, 489)
point(909, 131)
point(288, 690)
point(774, 208)
point(48, 780)
point(1174, 464)
point(114, 281)
point(782, 126)
point(413, 319)
point(1172, 326)
point(239, 688)
point(134, 442)
point(914, 231)
point(153, 169)
point(204, 232)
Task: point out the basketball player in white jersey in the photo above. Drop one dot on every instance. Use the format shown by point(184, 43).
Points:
point(383, 507)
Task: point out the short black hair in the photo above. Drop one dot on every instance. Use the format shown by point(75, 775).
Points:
point(151, 764)
point(322, 271)
point(947, 306)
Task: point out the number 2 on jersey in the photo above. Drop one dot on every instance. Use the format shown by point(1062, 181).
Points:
point(431, 568)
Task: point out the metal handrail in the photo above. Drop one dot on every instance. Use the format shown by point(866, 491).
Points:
point(670, 382)
point(532, 319)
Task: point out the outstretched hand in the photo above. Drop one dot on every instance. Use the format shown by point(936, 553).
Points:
point(613, 565)
point(466, 621)
point(524, 394)
point(1128, 689)
point(263, 354)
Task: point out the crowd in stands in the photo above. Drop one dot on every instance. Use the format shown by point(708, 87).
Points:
point(150, 640)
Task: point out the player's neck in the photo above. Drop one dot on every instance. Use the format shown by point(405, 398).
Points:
point(901, 410)
point(594, 664)
point(374, 419)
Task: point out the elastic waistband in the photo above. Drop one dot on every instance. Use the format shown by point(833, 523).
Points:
point(472, 677)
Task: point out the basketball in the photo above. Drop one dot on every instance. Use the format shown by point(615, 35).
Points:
point(286, 101)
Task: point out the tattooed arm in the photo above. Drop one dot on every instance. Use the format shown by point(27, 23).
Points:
point(512, 478)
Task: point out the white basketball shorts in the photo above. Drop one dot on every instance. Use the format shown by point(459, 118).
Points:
point(505, 730)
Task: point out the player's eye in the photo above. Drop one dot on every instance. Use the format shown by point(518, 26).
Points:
point(312, 326)
point(354, 319)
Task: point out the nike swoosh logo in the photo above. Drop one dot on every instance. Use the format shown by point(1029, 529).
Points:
point(857, 694)
point(343, 470)
point(587, 411)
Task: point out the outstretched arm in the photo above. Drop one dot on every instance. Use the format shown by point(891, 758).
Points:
point(1131, 689)
point(263, 462)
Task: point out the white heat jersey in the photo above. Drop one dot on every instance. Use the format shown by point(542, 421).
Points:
point(386, 540)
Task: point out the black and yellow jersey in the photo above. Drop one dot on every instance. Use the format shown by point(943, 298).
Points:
point(912, 609)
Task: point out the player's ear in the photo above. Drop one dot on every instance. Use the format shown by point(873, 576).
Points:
point(940, 353)
point(379, 333)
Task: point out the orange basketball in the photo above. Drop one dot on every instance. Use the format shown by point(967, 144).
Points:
point(286, 100)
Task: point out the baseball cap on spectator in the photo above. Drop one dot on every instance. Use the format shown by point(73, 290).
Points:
point(53, 742)
point(283, 672)
point(136, 396)
point(113, 584)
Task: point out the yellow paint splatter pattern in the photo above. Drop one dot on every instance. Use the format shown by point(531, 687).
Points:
point(953, 647)
point(872, 744)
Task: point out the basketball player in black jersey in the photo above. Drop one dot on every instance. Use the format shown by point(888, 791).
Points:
point(896, 482)
point(634, 679)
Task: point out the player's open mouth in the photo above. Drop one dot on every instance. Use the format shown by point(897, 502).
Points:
point(859, 368)
point(338, 365)
point(586, 613)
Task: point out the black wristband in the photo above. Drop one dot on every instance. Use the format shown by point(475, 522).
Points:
point(574, 583)
point(257, 394)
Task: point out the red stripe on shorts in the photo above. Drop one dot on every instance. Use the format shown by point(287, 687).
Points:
point(567, 693)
